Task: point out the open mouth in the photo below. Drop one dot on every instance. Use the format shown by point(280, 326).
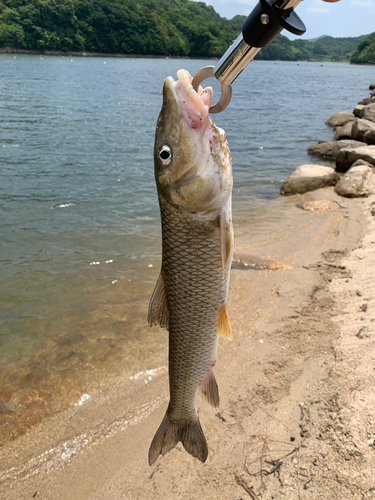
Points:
point(194, 105)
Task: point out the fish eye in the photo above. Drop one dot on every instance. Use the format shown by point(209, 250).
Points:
point(165, 155)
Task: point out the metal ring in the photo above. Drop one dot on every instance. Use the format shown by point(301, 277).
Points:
point(226, 90)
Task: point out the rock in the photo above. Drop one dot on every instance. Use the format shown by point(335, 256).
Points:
point(367, 100)
point(372, 93)
point(353, 183)
point(369, 137)
point(359, 128)
point(308, 178)
point(330, 149)
point(358, 109)
point(344, 132)
point(372, 86)
point(368, 112)
point(361, 162)
point(347, 157)
point(339, 119)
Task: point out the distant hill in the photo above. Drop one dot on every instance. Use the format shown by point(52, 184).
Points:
point(317, 38)
point(365, 52)
point(324, 48)
point(145, 27)
point(149, 27)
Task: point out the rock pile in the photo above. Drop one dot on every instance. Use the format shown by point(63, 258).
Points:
point(353, 150)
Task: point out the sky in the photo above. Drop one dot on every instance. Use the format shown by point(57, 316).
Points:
point(341, 19)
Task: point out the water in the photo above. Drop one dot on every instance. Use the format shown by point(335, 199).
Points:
point(80, 227)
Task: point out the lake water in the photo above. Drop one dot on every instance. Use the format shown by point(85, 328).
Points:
point(80, 244)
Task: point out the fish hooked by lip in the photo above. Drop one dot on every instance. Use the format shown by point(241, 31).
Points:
point(193, 173)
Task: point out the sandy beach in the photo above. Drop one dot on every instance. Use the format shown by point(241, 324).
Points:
point(296, 417)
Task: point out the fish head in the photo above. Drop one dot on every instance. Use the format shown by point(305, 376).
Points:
point(193, 167)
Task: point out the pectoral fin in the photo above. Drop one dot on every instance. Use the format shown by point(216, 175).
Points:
point(227, 240)
point(224, 327)
point(158, 312)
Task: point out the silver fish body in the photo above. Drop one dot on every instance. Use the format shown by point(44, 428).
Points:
point(191, 293)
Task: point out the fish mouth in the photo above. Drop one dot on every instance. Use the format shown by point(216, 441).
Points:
point(193, 105)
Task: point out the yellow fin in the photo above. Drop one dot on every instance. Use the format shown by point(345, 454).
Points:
point(227, 242)
point(224, 327)
point(158, 312)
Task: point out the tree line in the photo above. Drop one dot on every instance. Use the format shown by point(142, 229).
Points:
point(365, 52)
point(144, 27)
point(326, 48)
point(154, 27)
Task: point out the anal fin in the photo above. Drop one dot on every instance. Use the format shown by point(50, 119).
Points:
point(224, 327)
point(210, 390)
point(158, 312)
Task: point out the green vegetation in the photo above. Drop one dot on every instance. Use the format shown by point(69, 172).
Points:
point(145, 27)
point(325, 49)
point(158, 27)
point(365, 53)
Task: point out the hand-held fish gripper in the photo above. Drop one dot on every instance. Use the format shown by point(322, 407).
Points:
point(260, 28)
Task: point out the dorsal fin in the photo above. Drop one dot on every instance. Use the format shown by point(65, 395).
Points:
point(210, 390)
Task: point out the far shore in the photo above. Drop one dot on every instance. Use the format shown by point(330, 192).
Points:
point(10, 50)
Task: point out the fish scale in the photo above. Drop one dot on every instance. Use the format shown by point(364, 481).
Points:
point(193, 273)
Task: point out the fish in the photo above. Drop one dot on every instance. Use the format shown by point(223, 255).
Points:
point(193, 173)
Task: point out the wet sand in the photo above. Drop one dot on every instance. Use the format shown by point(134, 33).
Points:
point(296, 417)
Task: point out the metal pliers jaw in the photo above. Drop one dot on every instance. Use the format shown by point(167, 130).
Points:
point(226, 90)
point(265, 22)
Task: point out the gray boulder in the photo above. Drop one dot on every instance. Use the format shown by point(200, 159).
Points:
point(308, 178)
point(339, 119)
point(330, 149)
point(347, 157)
point(354, 183)
point(369, 137)
point(368, 112)
point(344, 132)
point(367, 100)
point(357, 110)
point(359, 128)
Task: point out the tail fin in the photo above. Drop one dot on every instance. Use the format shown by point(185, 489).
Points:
point(168, 435)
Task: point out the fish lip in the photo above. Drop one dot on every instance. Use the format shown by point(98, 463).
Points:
point(169, 81)
point(194, 106)
point(183, 78)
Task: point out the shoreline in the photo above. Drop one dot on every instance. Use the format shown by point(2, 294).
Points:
point(286, 347)
point(8, 50)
